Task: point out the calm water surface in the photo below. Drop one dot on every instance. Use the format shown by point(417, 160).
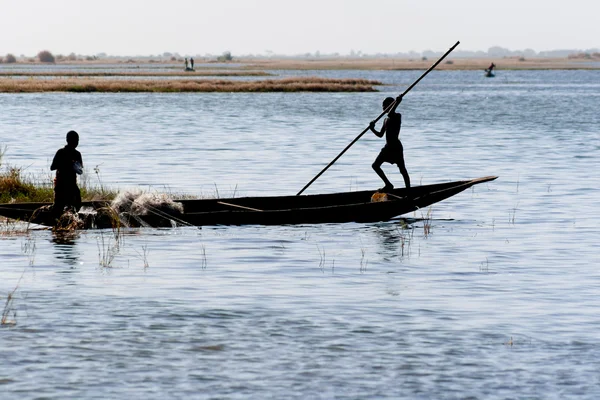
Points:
point(498, 301)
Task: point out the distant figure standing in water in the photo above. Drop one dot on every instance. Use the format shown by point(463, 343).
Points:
point(68, 164)
point(393, 151)
point(491, 67)
point(186, 64)
point(191, 62)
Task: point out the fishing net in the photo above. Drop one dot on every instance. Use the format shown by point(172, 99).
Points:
point(140, 203)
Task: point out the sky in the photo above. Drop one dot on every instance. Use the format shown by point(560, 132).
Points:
point(243, 27)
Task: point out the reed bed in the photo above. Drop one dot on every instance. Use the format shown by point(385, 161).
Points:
point(17, 186)
point(302, 84)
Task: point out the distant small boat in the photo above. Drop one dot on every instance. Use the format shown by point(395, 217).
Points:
point(360, 206)
point(489, 73)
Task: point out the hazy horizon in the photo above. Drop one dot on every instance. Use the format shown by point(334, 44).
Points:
point(493, 52)
point(263, 27)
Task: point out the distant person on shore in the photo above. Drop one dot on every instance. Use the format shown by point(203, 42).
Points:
point(186, 64)
point(393, 151)
point(191, 62)
point(68, 164)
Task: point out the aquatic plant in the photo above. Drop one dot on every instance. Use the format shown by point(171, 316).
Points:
point(18, 187)
point(28, 248)
point(512, 213)
point(109, 248)
point(144, 255)
point(406, 236)
point(427, 222)
point(15, 187)
point(9, 307)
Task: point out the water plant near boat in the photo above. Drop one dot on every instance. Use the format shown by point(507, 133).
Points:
point(17, 186)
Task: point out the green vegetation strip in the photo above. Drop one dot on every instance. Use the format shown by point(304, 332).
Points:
point(303, 84)
point(16, 186)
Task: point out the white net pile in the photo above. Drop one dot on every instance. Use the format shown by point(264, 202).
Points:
point(141, 203)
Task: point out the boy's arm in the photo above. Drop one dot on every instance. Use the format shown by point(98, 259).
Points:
point(372, 128)
point(396, 103)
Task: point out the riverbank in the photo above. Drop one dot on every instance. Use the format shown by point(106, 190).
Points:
point(518, 63)
point(248, 66)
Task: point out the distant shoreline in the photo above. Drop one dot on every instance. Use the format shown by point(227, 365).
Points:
point(115, 75)
point(343, 63)
point(449, 63)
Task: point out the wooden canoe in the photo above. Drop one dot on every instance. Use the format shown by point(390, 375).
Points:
point(271, 210)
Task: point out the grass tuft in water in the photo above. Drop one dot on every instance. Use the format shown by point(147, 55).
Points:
point(427, 222)
point(9, 306)
point(17, 186)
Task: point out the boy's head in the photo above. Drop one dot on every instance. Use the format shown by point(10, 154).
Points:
point(387, 101)
point(72, 139)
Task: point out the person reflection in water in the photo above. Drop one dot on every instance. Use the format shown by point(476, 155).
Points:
point(68, 164)
point(392, 152)
point(65, 247)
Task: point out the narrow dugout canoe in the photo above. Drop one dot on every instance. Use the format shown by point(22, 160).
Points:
point(270, 210)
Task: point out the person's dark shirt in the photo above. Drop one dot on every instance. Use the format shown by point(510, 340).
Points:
point(63, 164)
point(391, 126)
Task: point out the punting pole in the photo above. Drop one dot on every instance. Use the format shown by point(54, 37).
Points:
point(390, 107)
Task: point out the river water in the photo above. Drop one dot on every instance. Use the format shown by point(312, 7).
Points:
point(497, 299)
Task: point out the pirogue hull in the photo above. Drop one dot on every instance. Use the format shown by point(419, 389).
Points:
point(271, 210)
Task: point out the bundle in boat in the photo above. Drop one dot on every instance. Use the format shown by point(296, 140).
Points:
point(137, 209)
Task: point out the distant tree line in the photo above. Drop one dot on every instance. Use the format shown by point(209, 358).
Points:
point(225, 57)
point(8, 59)
point(46, 56)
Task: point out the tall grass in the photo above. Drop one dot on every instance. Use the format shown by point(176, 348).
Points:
point(109, 248)
point(302, 84)
point(17, 186)
point(9, 307)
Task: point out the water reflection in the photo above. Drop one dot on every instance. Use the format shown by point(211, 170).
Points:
point(65, 247)
point(395, 237)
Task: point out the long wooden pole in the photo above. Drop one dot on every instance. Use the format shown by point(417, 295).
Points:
point(390, 107)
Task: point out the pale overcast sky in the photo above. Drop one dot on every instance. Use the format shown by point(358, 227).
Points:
point(144, 27)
